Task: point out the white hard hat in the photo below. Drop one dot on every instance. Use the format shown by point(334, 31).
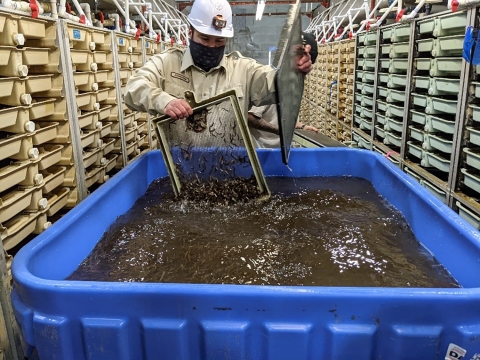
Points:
point(212, 17)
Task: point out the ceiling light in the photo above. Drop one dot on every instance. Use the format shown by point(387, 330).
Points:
point(260, 8)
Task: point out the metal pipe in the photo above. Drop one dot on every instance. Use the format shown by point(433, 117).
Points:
point(325, 32)
point(149, 11)
point(379, 22)
point(22, 6)
point(115, 17)
point(88, 14)
point(53, 8)
point(80, 11)
point(120, 9)
point(415, 11)
point(454, 4)
point(128, 25)
point(150, 21)
point(176, 22)
point(62, 12)
point(158, 22)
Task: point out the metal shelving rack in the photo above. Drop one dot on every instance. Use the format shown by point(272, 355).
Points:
point(432, 119)
point(417, 102)
point(61, 95)
point(464, 184)
point(328, 91)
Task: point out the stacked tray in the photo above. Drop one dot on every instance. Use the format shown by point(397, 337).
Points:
point(96, 100)
point(345, 90)
point(393, 67)
point(364, 82)
point(31, 177)
point(436, 86)
point(129, 58)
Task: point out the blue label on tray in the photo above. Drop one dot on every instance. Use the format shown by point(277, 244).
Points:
point(76, 34)
point(120, 41)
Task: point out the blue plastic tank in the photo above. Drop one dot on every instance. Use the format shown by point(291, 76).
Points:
point(93, 320)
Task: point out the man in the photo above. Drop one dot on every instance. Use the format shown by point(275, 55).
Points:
point(263, 120)
point(158, 87)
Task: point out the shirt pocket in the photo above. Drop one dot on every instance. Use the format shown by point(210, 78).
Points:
point(175, 89)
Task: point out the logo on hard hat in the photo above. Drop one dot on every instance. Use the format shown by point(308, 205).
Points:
point(218, 6)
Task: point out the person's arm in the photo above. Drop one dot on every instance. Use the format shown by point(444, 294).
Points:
point(259, 123)
point(301, 126)
point(144, 92)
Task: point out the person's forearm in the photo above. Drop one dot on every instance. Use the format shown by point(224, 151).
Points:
point(260, 124)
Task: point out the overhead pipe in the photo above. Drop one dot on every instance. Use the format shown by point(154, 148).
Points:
point(120, 9)
point(150, 21)
point(86, 10)
point(328, 23)
point(384, 16)
point(116, 18)
point(80, 13)
point(324, 14)
point(322, 35)
point(175, 24)
point(318, 26)
point(364, 7)
point(174, 14)
point(185, 29)
point(370, 16)
point(172, 20)
point(24, 7)
point(142, 17)
point(129, 29)
point(454, 4)
point(335, 19)
point(337, 25)
point(62, 12)
point(171, 10)
point(163, 16)
point(149, 14)
point(53, 5)
point(317, 20)
point(50, 7)
point(414, 13)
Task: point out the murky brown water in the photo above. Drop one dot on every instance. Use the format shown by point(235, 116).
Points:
point(313, 231)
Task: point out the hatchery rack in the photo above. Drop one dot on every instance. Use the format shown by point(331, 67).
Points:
point(64, 127)
point(416, 101)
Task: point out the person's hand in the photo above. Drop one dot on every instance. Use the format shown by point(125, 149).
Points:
point(301, 126)
point(178, 109)
point(305, 62)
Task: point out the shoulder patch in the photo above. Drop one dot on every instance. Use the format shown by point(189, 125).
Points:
point(179, 76)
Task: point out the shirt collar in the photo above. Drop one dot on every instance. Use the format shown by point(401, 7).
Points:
point(188, 61)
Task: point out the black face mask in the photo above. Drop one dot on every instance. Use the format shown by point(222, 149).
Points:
point(206, 57)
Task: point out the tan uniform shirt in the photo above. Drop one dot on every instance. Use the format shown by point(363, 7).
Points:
point(169, 74)
point(265, 139)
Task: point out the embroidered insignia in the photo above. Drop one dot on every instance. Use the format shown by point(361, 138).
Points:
point(180, 77)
